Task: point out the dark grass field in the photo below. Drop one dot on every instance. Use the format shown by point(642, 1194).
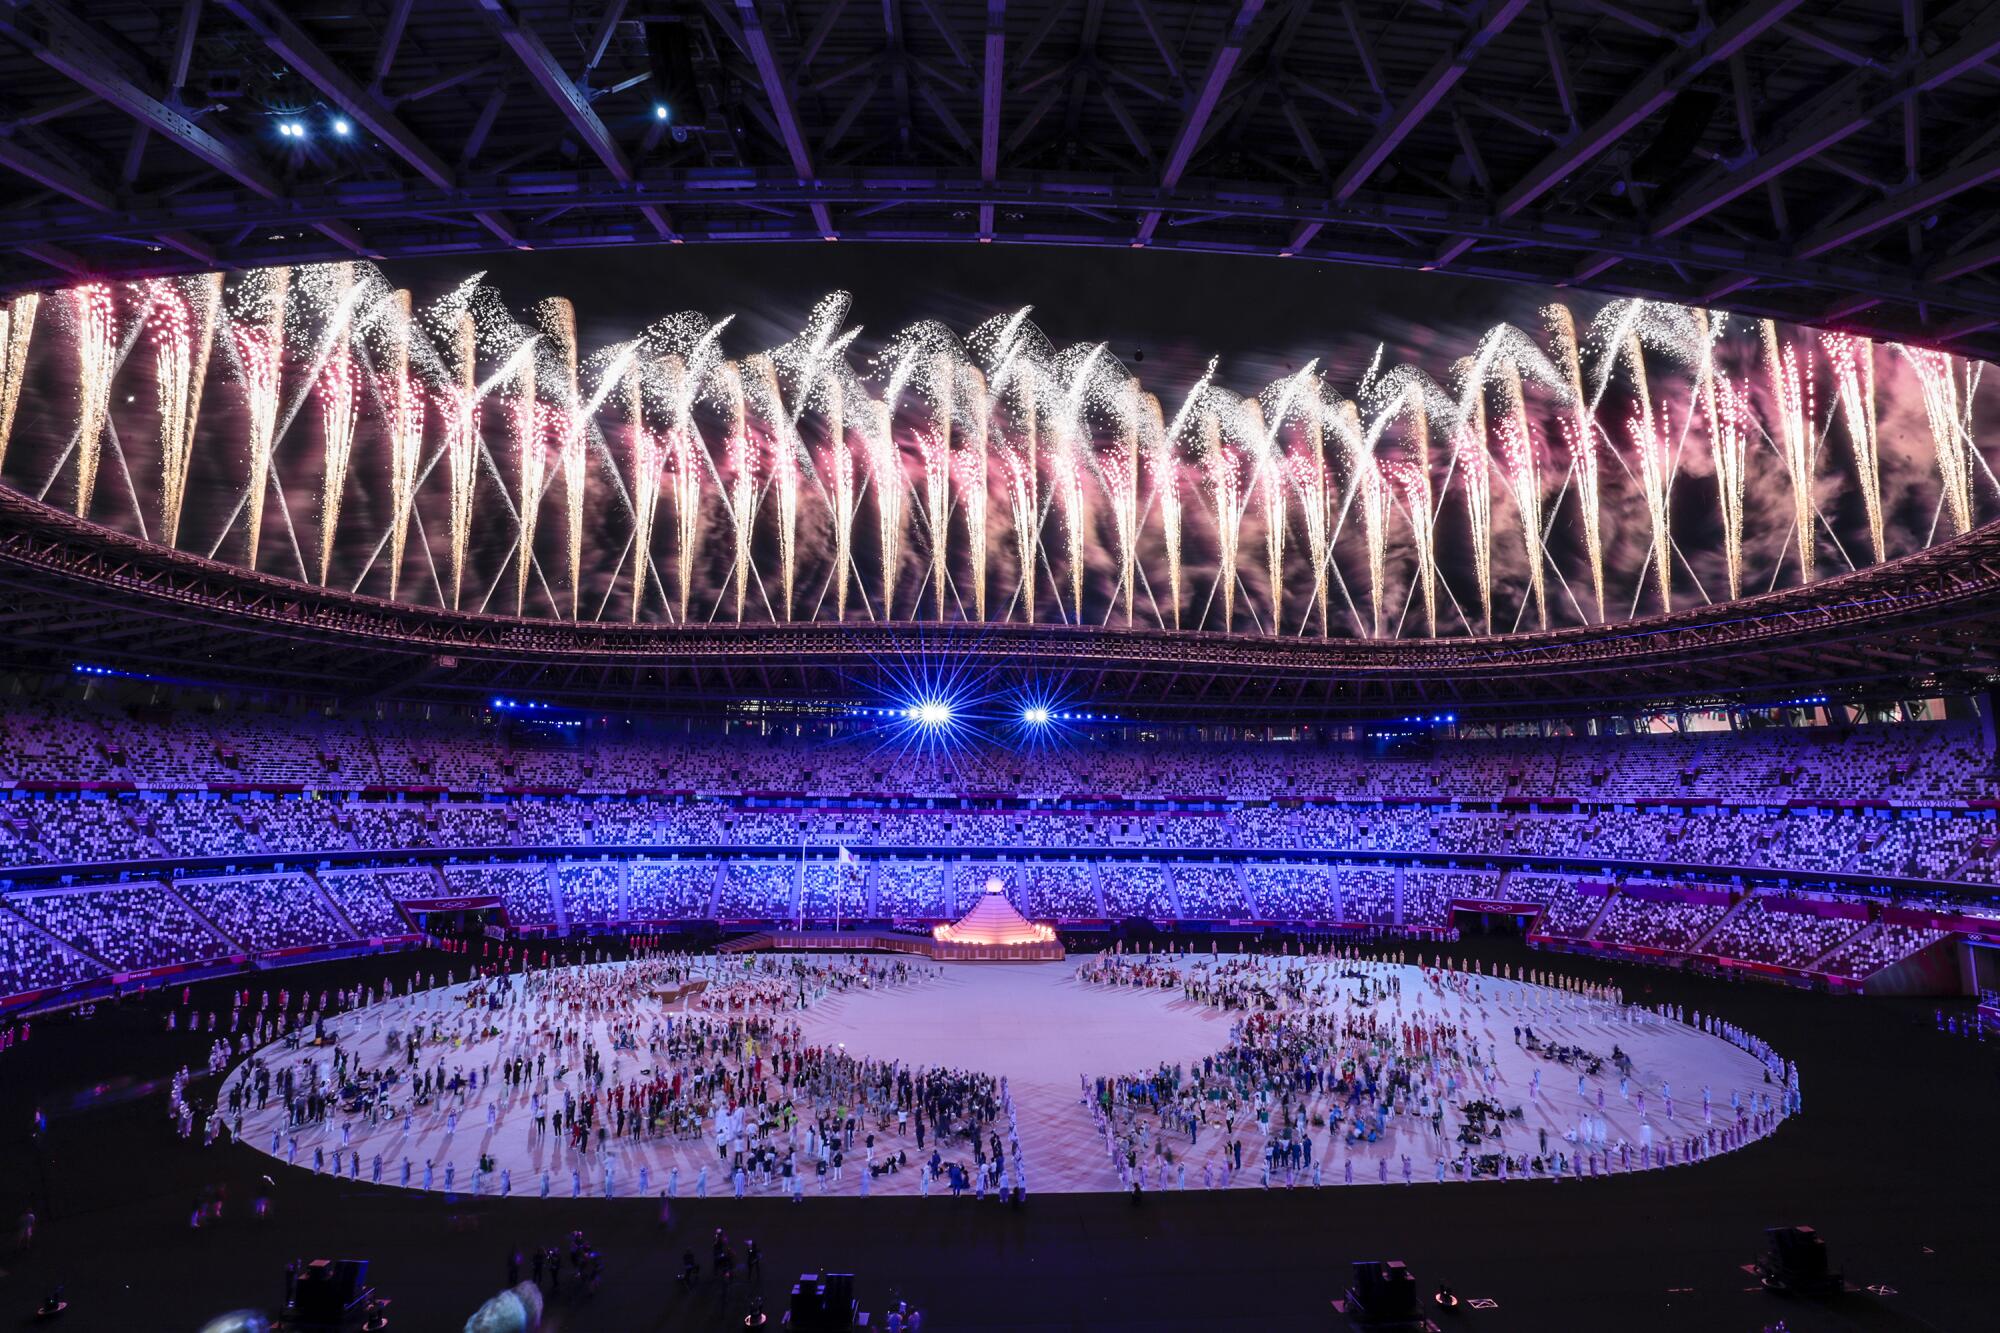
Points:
point(1894, 1161)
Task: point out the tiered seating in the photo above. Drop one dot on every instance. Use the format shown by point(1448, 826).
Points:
point(523, 890)
point(265, 912)
point(1295, 893)
point(1876, 949)
point(589, 892)
point(1132, 889)
point(1428, 894)
point(1368, 894)
point(367, 898)
point(1658, 923)
point(131, 927)
point(909, 889)
point(1762, 934)
point(757, 890)
point(1208, 891)
point(670, 890)
point(1569, 913)
point(833, 889)
point(1060, 889)
point(30, 961)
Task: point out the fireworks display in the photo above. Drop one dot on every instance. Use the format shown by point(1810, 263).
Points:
point(172, 325)
point(1791, 399)
point(1046, 483)
point(96, 346)
point(339, 392)
point(17, 330)
point(259, 332)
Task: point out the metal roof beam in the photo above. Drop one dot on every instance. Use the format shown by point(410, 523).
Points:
point(1659, 86)
point(287, 40)
point(777, 93)
point(77, 50)
point(1220, 67)
point(559, 87)
point(1430, 90)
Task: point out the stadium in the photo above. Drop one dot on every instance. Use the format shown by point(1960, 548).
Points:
point(1133, 665)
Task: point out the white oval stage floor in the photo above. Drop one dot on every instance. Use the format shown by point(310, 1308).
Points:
point(1454, 1040)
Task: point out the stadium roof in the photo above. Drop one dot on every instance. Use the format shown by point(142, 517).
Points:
point(1823, 162)
point(75, 594)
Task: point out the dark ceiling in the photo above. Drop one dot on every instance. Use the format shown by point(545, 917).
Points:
point(1828, 163)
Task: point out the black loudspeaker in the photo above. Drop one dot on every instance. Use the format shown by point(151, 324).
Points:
point(823, 1302)
point(1383, 1293)
point(327, 1289)
point(1797, 1262)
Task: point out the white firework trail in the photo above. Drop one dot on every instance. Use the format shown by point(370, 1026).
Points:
point(1412, 478)
point(1938, 383)
point(458, 410)
point(1225, 478)
point(784, 469)
point(171, 322)
point(96, 356)
point(648, 458)
point(1164, 457)
point(1853, 362)
point(839, 466)
point(970, 464)
point(260, 351)
point(687, 461)
point(1791, 399)
point(934, 450)
point(1413, 484)
point(1121, 482)
point(742, 452)
point(1522, 453)
point(1025, 493)
point(1307, 468)
point(1469, 460)
point(528, 424)
point(557, 318)
point(1366, 487)
point(403, 414)
point(1729, 442)
point(1066, 462)
point(1579, 431)
point(885, 462)
point(1161, 461)
point(17, 330)
point(1271, 478)
point(1655, 449)
point(339, 393)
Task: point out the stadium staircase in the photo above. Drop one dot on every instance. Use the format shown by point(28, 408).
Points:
point(326, 900)
point(199, 915)
point(554, 883)
point(1869, 929)
point(1741, 906)
point(1590, 931)
point(56, 942)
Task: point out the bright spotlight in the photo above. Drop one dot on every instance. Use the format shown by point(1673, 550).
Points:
point(341, 127)
point(934, 713)
point(661, 111)
point(1037, 716)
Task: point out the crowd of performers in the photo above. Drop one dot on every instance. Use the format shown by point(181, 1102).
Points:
point(701, 1052)
point(1325, 1059)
